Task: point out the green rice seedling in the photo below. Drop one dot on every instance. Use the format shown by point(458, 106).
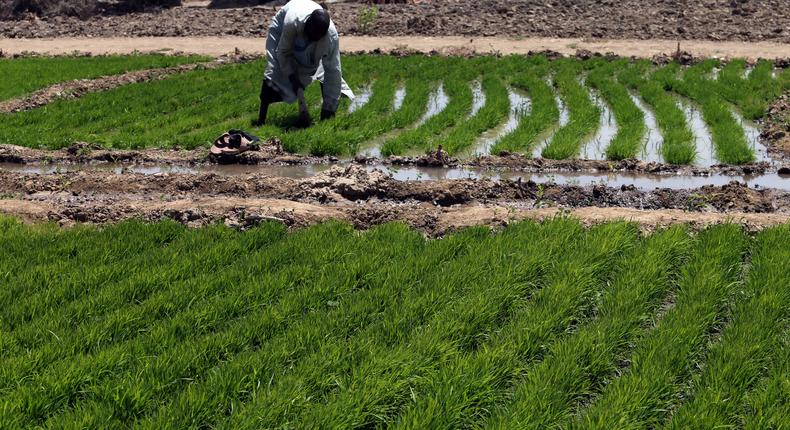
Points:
point(490, 115)
point(83, 371)
point(99, 323)
point(455, 392)
point(750, 95)
point(25, 75)
point(585, 116)
point(659, 365)
point(678, 139)
point(749, 343)
point(581, 363)
point(456, 86)
point(379, 372)
point(768, 407)
point(144, 386)
point(542, 116)
point(631, 128)
point(343, 322)
point(729, 138)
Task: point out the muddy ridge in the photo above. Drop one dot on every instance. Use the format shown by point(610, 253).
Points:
point(272, 154)
point(365, 198)
point(755, 20)
point(79, 87)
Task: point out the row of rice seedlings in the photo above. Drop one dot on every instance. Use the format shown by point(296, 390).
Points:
point(102, 321)
point(491, 114)
point(459, 106)
point(584, 114)
point(768, 407)
point(392, 302)
point(376, 376)
point(627, 143)
point(25, 75)
point(360, 288)
point(581, 364)
point(729, 138)
point(344, 134)
point(749, 343)
point(678, 139)
point(460, 392)
point(542, 116)
point(659, 365)
point(753, 94)
point(29, 258)
point(59, 387)
point(117, 117)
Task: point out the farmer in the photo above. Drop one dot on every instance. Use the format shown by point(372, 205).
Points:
point(303, 46)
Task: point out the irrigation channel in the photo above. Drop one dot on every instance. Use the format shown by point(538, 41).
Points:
point(642, 181)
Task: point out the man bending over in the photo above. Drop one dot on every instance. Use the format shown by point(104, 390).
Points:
point(302, 46)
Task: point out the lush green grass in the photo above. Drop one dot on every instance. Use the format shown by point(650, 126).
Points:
point(540, 325)
point(190, 109)
point(25, 75)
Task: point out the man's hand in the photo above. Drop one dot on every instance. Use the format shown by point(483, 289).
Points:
point(326, 114)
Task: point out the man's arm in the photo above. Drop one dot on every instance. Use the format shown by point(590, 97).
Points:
point(332, 80)
point(285, 46)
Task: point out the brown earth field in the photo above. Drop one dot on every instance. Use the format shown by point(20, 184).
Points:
point(367, 198)
point(753, 20)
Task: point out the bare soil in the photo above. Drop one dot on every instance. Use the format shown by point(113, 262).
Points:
point(776, 128)
point(755, 20)
point(366, 199)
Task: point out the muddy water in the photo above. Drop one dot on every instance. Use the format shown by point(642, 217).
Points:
point(702, 136)
point(595, 148)
point(520, 106)
point(478, 98)
point(753, 137)
point(640, 181)
point(653, 139)
point(400, 95)
point(361, 99)
point(437, 102)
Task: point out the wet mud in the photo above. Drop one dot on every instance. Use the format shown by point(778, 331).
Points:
point(366, 198)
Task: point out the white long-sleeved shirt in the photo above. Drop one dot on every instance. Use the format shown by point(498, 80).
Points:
point(289, 51)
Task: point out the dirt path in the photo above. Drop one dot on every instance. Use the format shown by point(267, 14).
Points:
point(443, 44)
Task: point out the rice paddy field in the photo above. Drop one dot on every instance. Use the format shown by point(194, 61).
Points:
point(605, 109)
point(539, 325)
point(345, 297)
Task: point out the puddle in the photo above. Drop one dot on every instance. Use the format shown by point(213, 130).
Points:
point(437, 101)
point(747, 71)
point(478, 98)
point(361, 99)
point(565, 116)
point(641, 181)
point(653, 140)
point(753, 137)
point(520, 106)
point(702, 136)
point(400, 96)
point(595, 148)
